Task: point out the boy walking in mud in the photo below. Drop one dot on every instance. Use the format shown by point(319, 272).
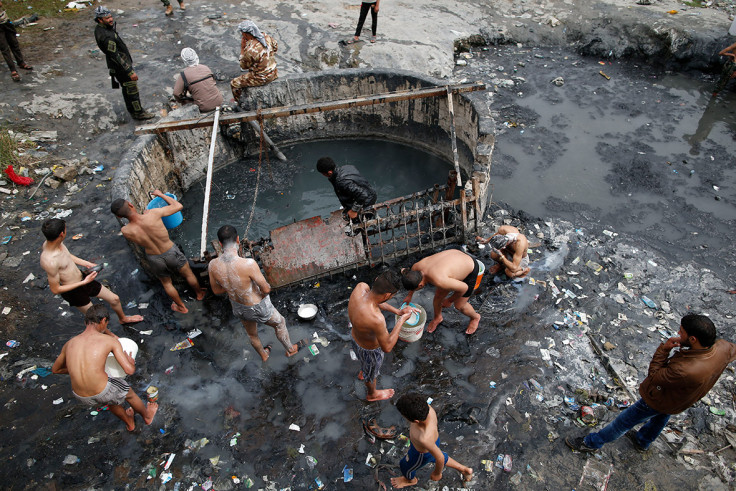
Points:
point(66, 279)
point(164, 257)
point(83, 358)
point(424, 443)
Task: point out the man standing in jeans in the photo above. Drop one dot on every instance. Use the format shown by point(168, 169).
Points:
point(672, 386)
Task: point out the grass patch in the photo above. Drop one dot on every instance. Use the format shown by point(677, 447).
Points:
point(8, 149)
point(44, 8)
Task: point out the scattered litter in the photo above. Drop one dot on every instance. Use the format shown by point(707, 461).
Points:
point(294, 427)
point(169, 461)
point(6, 239)
point(71, 459)
point(717, 411)
point(319, 483)
point(347, 474)
point(77, 237)
point(604, 75)
point(147, 333)
point(234, 439)
point(429, 400)
point(6, 310)
point(42, 371)
point(169, 370)
point(507, 463)
point(370, 460)
point(558, 81)
point(515, 479)
point(12, 343)
point(311, 461)
point(492, 384)
point(58, 401)
point(648, 302)
point(214, 461)
point(187, 343)
point(166, 477)
point(134, 272)
point(313, 349)
point(30, 277)
point(142, 305)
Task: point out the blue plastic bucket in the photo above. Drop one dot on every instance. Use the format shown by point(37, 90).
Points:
point(171, 221)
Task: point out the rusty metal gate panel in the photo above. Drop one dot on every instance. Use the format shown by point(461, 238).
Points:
point(310, 248)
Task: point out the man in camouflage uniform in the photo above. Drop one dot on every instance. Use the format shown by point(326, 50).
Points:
point(119, 62)
point(258, 55)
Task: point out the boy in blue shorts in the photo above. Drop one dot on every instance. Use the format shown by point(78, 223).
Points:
point(424, 441)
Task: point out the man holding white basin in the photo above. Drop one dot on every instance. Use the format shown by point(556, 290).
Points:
point(248, 290)
point(83, 358)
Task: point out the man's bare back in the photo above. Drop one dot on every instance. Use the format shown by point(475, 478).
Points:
point(85, 357)
point(149, 232)
point(237, 276)
point(439, 269)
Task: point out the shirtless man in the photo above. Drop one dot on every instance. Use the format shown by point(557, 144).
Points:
point(66, 279)
point(509, 251)
point(248, 291)
point(83, 359)
point(449, 271)
point(424, 444)
point(148, 231)
point(371, 338)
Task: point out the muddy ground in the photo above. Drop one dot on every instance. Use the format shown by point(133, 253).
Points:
point(219, 389)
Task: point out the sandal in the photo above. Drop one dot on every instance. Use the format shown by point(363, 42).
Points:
point(14, 75)
point(26, 66)
point(372, 428)
point(373, 39)
point(352, 40)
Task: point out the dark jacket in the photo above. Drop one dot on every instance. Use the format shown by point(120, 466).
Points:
point(116, 52)
point(352, 189)
point(675, 384)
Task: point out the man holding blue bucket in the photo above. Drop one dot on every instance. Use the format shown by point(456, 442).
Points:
point(164, 257)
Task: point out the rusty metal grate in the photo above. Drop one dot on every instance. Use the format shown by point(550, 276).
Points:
point(311, 249)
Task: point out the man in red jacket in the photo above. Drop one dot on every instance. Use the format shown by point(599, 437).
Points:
point(673, 385)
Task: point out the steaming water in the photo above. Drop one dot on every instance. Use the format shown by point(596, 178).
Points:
point(297, 191)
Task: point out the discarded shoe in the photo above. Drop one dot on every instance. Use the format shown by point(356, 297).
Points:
point(372, 428)
point(578, 444)
point(145, 115)
point(631, 435)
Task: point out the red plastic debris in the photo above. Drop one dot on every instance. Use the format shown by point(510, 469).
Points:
point(20, 180)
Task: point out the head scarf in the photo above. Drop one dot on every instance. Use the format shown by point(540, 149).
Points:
point(190, 57)
point(252, 29)
point(101, 12)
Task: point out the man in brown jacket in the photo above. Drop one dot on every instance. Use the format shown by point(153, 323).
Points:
point(673, 385)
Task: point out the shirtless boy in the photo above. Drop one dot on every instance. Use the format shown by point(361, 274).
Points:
point(83, 359)
point(66, 279)
point(248, 291)
point(371, 338)
point(148, 231)
point(509, 251)
point(449, 271)
point(424, 443)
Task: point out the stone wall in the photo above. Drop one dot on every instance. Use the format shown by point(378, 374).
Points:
point(173, 161)
point(423, 123)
